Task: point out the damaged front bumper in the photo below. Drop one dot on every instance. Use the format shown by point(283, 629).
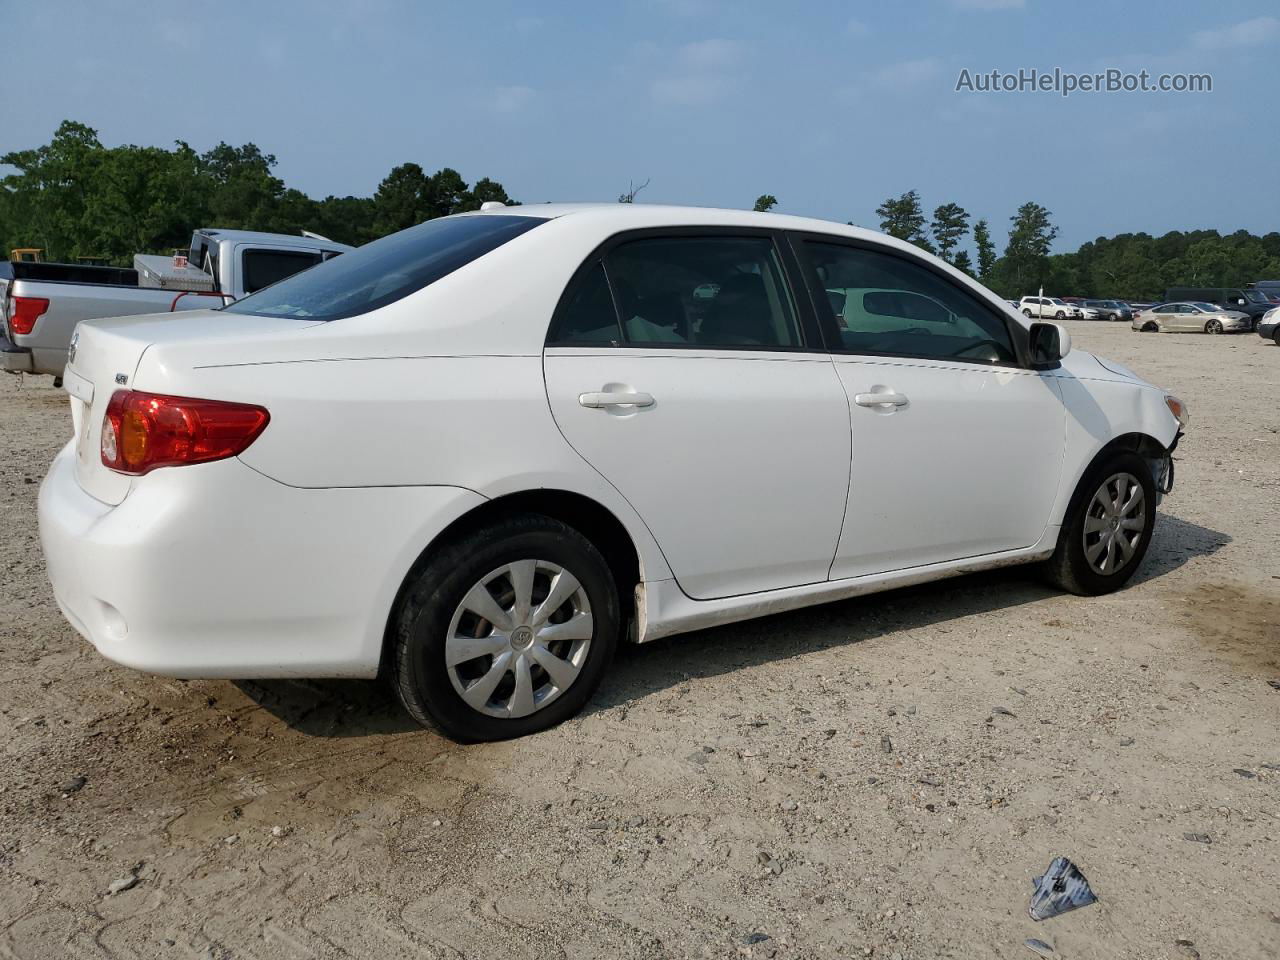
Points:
point(1162, 469)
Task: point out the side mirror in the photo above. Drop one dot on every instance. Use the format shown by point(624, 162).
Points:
point(1049, 344)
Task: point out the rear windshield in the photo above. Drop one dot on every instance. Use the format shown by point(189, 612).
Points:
point(385, 270)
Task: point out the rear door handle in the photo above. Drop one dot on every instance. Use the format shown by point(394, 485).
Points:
point(595, 400)
point(880, 399)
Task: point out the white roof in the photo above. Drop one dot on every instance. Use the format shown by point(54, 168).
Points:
point(624, 216)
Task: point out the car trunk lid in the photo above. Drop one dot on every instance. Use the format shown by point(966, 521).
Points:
point(104, 358)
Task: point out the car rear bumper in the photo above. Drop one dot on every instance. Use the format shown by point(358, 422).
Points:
point(218, 571)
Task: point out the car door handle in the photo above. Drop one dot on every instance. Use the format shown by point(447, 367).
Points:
point(595, 400)
point(880, 399)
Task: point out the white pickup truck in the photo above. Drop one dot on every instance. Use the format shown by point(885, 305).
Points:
point(41, 303)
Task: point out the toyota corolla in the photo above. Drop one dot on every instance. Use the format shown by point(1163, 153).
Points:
point(476, 455)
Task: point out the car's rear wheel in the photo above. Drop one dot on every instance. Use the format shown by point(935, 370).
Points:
point(506, 631)
point(1213, 326)
point(1150, 327)
point(1276, 336)
point(1108, 527)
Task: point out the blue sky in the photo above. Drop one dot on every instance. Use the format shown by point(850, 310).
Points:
point(830, 106)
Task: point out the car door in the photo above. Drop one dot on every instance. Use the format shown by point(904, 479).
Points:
point(1178, 318)
point(957, 446)
point(682, 367)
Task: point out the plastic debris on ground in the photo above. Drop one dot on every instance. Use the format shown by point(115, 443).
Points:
point(1039, 946)
point(1062, 888)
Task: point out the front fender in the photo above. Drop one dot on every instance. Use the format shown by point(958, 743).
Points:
point(1101, 410)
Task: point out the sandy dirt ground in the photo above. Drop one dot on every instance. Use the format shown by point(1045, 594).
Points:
point(879, 777)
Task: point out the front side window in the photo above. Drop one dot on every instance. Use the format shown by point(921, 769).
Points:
point(895, 306)
point(705, 292)
point(385, 270)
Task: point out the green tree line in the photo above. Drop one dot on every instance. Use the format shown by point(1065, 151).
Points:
point(1130, 266)
point(74, 197)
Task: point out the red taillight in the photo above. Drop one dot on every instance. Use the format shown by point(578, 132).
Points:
point(142, 431)
point(25, 312)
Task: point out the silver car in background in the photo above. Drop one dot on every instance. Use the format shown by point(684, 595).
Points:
point(1194, 316)
point(1106, 310)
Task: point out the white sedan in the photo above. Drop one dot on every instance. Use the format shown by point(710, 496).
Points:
point(477, 454)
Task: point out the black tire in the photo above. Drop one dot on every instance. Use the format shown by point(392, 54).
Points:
point(433, 594)
point(1213, 326)
point(1026, 312)
point(1069, 568)
point(1059, 315)
point(1276, 337)
point(1150, 327)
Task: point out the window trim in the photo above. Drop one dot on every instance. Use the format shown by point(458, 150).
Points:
point(1018, 335)
point(807, 326)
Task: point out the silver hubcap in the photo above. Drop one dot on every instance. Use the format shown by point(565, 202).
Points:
point(1215, 326)
point(519, 638)
point(1114, 523)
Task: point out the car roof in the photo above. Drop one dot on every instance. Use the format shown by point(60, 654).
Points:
point(623, 216)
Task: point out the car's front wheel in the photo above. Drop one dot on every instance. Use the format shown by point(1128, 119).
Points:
point(506, 631)
point(1060, 315)
point(1213, 326)
point(1026, 312)
point(1108, 527)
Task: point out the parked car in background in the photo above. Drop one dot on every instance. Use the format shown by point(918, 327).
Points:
point(1108, 310)
point(1270, 287)
point(1048, 308)
point(1269, 325)
point(1192, 317)
point(1247, 300)
point(490, 447)
point(41, 303)
point(1087, 312)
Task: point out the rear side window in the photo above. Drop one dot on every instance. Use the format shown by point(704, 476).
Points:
point(587, 315)
point(385, 270)
point(265, 267)
point(703, 292)
point(897, 307)
point(688, 291)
